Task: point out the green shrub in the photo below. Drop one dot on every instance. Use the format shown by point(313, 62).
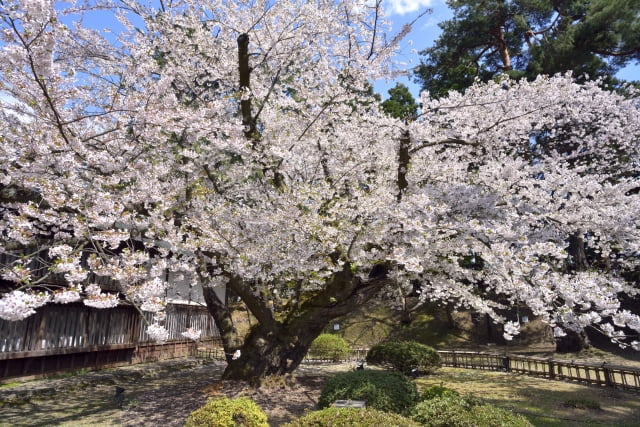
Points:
point(458, 411)
point(404, 356)
point(490, 416)
point(437, 391)
point(446, 411)
point(329, 346)
point(382, 390)
point(350, 417)
point(225, 412)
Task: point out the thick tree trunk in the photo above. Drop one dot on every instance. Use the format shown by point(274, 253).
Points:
point(277, 351)
point(277, 347)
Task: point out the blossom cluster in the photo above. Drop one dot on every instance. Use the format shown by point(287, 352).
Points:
point(192, 334)
point(98, 299)
point(18, 305)
point(158, 333)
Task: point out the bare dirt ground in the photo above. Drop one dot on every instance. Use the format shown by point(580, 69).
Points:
point(161, 394)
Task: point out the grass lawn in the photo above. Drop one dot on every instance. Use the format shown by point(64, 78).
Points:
point(543, 402)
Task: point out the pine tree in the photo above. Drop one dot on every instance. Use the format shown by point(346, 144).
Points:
point(526, 38)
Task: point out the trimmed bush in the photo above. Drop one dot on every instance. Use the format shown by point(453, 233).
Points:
point(457, 411)
point(404, 356)
point(440, 412)
point(225, 412)
point(490, 416)
point(383, 390)
point(437, 391)
point(350, 417)
point(329, 346)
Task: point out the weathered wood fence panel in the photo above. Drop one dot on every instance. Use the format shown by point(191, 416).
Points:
point(76, 326)
point(590, 373)
point(74, 336)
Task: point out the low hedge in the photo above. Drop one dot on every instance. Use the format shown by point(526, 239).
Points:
point(351, 417)
point(225, 412)
point(404, 356)
point(329, 346)
point(457, 411)
point(383, 390)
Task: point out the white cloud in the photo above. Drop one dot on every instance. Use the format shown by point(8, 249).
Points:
point(402, 7)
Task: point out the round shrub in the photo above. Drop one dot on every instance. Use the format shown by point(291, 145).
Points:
point(441, 412)
point(329, 346)
point(225, 412)
point(351, 417)
point(404, 356)
point(383, 390)
point(457, 411)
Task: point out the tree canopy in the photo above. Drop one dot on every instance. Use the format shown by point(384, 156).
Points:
point(527, 38)
point(400, 104)
point(237, 144)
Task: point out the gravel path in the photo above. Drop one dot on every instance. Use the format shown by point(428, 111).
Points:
point(162, 393)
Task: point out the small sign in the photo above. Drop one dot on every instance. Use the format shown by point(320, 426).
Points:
point(525, 319)
point(350, 404)
point(336, 326)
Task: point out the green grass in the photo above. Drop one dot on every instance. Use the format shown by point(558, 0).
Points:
point(11, 384)
point(543, 402)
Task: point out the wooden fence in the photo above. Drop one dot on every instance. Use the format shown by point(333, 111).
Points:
point(74, 336)
point(602, 374)
point(356, 355)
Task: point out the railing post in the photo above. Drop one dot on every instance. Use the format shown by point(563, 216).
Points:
point(505, 363)
point(608, 377)
point(552, 373)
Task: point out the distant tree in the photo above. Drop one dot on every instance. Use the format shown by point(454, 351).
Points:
point(400, 104)
point(526, 38)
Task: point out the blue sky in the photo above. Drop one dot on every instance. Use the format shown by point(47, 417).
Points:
point(426, 30)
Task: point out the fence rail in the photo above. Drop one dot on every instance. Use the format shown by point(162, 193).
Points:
point(602, 374)
point(355, 355)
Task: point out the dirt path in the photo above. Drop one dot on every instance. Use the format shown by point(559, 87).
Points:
point(161, 394)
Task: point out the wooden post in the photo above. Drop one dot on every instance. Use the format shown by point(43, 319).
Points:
point(505, 363)
point(608, 377)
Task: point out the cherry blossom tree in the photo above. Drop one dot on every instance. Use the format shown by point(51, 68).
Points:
point(237, 144)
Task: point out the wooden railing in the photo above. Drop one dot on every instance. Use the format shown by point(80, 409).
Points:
point(602, 374)
point(355, 355)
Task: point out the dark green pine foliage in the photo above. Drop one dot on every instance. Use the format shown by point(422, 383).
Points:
point(400, 104)
point(526, 38)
